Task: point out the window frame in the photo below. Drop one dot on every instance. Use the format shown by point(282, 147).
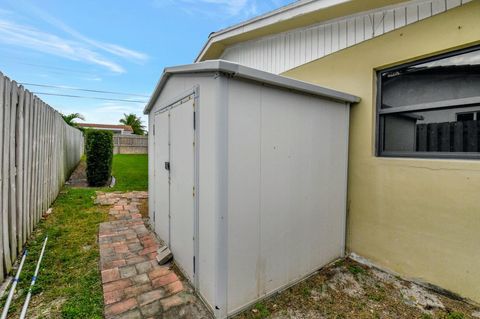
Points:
point(447, 104)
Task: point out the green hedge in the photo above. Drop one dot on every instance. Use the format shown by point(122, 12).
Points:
point(99, 149)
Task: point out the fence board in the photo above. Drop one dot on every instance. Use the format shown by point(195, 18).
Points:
point(471, 136)
point(444, 136)
point(457, 128)
point(31, 183)
point(422, 141)
point(130, 144)
point(433, 137)
point(12, 218)
point(6, 175)
point(38, 150)
point(23, 182)
point(39, 167)
point(19, 176)
point(36, 115)
point(2, 177)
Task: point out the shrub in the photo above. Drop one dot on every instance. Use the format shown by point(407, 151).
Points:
point(99, 149)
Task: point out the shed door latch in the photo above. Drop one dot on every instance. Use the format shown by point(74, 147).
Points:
point(167, 166)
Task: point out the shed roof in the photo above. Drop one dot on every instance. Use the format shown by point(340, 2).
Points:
point(239, 71)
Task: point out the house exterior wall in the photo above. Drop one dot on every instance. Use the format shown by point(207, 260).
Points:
point(281, 52)
point(417, 217)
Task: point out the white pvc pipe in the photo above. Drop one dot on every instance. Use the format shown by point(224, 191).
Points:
point(34, 278)
point(14, 285)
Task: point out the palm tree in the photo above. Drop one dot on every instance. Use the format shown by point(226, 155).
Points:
point(70, 118)
point(135, 122)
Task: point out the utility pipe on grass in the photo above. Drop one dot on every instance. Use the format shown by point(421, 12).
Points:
point(34, 278)
point(14, 286)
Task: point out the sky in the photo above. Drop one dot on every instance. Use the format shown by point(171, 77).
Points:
point(117, 46)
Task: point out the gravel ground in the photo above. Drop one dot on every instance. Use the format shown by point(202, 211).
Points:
point(79, 176)
point(348, 289)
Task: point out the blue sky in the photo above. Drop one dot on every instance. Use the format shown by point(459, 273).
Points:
point(109, 45)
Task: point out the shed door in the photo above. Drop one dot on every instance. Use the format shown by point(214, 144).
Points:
point(162, 188)
point(182, 181)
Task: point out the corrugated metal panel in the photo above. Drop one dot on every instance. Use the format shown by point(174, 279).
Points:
point(285, 51)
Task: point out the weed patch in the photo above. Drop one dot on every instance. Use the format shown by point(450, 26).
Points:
point(261, 311)
point(356, 270)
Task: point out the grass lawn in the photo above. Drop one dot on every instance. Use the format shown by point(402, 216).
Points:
point(69, 284)
point(131, 172)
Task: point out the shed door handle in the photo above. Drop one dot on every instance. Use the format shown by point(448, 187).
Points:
point(167, 166)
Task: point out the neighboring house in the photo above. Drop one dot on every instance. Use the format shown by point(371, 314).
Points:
point(116, 129)
point(413, 201)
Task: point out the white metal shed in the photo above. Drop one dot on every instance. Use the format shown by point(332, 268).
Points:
point(247, 178)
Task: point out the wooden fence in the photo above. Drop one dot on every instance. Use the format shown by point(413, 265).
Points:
point(130, 144)
point(449, 137)
point(38, 151)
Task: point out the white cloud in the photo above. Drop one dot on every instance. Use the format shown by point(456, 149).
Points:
point(73, 45)
point(108, 47)
point(32, 38)
point(215, 8)
point(93, 78)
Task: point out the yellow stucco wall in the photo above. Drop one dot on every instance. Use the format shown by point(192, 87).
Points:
point(417, 217)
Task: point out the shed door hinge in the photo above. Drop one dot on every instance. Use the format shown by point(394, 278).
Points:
point(194, 121)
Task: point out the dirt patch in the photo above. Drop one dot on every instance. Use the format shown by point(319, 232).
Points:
point(79, 176)
point(348, 289)
point(143, 208)
point(78, 179)
point(47, 310)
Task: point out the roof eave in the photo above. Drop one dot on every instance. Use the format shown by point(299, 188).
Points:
point(297, 15)
point(284, 13)
point(236, 70)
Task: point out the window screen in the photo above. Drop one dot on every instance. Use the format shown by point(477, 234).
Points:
point(431, 108)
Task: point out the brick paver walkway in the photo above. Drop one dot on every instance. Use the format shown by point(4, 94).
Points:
point(134, 285)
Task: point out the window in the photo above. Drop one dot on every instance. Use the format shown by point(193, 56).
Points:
point(431, 108)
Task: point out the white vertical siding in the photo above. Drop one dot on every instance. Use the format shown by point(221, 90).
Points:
point(284, 51)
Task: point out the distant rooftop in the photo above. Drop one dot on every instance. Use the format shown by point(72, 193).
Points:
point(119, 127)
